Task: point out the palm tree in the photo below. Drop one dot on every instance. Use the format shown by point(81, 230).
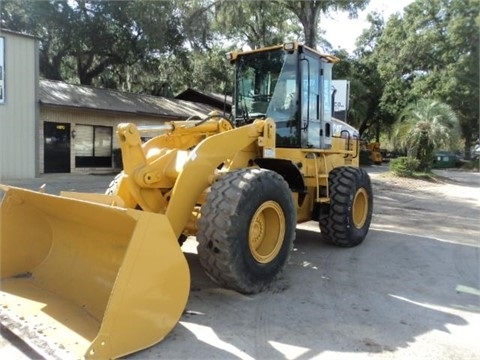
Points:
point(425, 127)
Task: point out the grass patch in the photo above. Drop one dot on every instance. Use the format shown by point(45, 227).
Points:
point(404, 166)
point(407, 167)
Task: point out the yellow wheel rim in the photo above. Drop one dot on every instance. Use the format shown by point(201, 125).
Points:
point(360, 208)
point(267, 231)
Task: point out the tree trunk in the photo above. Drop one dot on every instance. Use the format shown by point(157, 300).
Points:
point(308, 13)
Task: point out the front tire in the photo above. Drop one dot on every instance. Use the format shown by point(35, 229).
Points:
point(246, 229)
point(347, 221)
point(114, 184)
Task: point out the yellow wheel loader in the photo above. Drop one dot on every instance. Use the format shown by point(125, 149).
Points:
point(103, 275)
point(375, 155)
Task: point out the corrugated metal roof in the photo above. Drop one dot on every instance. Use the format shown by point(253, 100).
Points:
point(8, 31)
point(216, 97)
point(59, 93)
point(220, 97)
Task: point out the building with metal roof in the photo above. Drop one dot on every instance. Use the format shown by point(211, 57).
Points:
point(78, 123)
point(53, 127)
point(58, 93)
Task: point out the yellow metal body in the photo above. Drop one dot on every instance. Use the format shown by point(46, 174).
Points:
point(88, 275)
point(376, 155)
point(82, 279)
point(360, 208)
point(96, 276)
point(266, 232)
point(159, 172)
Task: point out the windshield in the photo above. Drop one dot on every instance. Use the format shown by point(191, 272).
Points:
point(266, 86)
point(265, 83)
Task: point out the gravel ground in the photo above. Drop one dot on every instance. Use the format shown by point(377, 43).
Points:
point(411, 290)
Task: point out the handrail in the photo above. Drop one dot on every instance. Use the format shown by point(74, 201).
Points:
point(357, 147)
point(348, 140)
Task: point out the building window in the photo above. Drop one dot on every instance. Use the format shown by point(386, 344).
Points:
point(93, 146)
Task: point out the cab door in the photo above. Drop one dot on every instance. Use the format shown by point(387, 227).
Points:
point(315, 100)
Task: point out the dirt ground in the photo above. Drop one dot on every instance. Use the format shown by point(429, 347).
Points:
point(411, 290)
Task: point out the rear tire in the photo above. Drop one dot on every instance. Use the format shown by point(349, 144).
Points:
point(246, 229)
point(347, 221)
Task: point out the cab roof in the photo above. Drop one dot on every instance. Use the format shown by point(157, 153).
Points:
point(289, 47)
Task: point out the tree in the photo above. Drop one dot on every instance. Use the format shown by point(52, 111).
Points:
point(254, 23)
point(251, 23)
point(433, 51)
point(308, 13)
point(366, 86)
point(157, 46)
point(260, 23)
point(47, 21)
point(424, 127)
point(82, 40)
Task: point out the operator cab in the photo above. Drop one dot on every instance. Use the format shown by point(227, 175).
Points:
point(291, 84)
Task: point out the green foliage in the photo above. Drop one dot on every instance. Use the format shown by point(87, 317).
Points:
point(208, 71)
point(424, 128)
point(82, 40)
point(162, 47)
point(308, 13)
point(404, 166)
point(254, 23)
point(366, 85)
point(433, 52)
point(158, 47)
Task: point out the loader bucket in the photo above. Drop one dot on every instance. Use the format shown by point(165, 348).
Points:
point(85, 280)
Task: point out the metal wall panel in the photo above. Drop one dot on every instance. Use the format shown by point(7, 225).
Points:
point(19, 111)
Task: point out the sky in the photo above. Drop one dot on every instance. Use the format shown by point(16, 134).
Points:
point(342, 32)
